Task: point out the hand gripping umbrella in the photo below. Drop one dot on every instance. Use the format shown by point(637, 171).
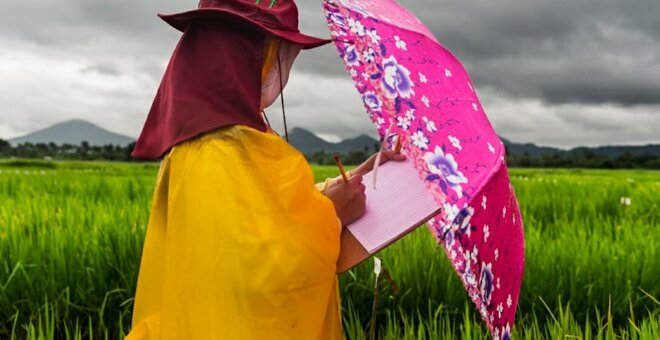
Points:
point(415, 88)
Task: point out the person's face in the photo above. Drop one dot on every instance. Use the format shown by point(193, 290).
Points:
point(277, 75)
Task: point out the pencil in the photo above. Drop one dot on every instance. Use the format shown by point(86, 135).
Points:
point(341, 167)
point(397, 147)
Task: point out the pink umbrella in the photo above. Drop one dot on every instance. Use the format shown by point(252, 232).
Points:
point(415, 88)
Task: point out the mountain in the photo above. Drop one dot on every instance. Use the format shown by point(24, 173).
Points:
point(531, 149)
point(307, 142)
point(74, 132)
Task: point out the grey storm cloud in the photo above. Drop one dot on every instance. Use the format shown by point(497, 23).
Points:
point(591, 51)
point(588, 51)
point(103, 68)
point(545, 70)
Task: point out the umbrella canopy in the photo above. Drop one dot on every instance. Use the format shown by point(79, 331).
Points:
point(415, 88)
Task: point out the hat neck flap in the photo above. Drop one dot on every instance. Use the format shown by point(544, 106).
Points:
point(213, 80)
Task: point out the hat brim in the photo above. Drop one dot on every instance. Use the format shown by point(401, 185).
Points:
point(181, 21)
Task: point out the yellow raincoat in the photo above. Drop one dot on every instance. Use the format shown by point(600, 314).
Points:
point(240, 244)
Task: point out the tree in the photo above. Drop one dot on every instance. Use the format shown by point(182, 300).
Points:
point(128, 151)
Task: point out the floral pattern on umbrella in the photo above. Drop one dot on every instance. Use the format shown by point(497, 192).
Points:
point(413, 87)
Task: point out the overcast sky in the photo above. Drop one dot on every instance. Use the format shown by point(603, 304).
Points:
point(554, 72)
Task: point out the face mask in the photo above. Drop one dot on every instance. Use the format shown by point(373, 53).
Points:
point(271, 86)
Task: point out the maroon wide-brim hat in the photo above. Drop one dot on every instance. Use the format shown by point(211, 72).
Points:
point(277, 17)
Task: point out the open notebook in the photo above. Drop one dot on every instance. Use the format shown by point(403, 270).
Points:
point(399, 204)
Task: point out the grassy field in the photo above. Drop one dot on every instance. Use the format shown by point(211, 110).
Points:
point(71, 237)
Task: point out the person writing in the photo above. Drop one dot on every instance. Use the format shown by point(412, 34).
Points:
point(240, 243)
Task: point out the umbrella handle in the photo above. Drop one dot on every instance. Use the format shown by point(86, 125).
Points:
point(380, 154)
point(374, 178)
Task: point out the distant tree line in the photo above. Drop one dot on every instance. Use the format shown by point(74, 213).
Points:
point(574, 159)
point(349, 158)
point(584, 159)
point(52, 151)
point(85, 151)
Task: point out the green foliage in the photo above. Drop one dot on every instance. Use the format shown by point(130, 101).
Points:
point(584, 158)
point(71, 238)
point(578, 158)
point(52, 151)
point(348, 158)
point(4, 145)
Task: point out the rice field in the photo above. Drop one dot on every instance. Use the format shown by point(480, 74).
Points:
point(71, 235)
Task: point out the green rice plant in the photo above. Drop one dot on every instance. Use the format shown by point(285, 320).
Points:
point(71, 236)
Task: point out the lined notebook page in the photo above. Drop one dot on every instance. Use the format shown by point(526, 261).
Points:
point(398, 205)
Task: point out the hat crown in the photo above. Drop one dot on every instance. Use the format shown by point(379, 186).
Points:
point(277, 14)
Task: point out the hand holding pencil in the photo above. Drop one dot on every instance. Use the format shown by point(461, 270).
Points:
point(341, 167)
point(347, 191)
point(349, 198)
